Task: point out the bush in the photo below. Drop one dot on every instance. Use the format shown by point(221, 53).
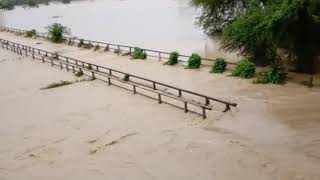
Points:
point(219, 66)
point(173, 59)
point(126, 77)
point(79, 74)
point(245, 69)
point(31, 33)
point(138, 53)
point(275, 75)
point(194, 61)
point(80, 43)
point(57, 32)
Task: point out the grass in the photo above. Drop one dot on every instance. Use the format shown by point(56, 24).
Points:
point(55, 85)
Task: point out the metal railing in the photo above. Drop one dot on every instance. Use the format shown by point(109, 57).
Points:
point(108, 74)
point(119, 48)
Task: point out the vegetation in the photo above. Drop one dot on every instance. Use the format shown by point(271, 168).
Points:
point(245, 69)
point(194, 61)
point(79, 73)
point(57, 32)
point(80, 43)
point(59, 84)
point(258, 29)
point(173, 58)
point(9, 4)
point(31, 33)
point(219, 66)
point(139, 53)
point(275, 75)
point(126, 77)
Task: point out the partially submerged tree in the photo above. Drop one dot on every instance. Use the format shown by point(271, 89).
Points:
point(263, 27)
point(57, 32)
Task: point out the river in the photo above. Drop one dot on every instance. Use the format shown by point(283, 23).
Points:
point(165, 25)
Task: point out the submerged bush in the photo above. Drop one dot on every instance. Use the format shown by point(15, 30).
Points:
point(276, 74)
point(57, 32)
point(31, 33)
point(80, 43)
point(245, 69)
point(126, 77)
point(219, 66)
point(194, 61)
point(79, 74)
point(173, 59)
point(138, 53)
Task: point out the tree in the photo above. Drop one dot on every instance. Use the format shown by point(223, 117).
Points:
point(57, 32)
point(266, 26)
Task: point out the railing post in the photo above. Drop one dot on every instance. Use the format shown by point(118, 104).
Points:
point(180, 93)
point(92, 73)
point(204, 113)
point(52, 62)
point(109, 81)
point(134, 89)
point(42, 59)
point(185, 107)
point(154, 86)
point(73, 70)
point(159, 56)
point(207, 101)
point(159, 98)
point(60, 65)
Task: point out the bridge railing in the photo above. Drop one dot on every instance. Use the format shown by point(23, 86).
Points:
point(160, 55)
point(109, 72)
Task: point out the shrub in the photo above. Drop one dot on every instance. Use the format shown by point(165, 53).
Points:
point(80, 43)
point(275, 75)
point(194, 61)
point(173, 59)
point(31, 33)
point(138, 53)
point(245, 69)
point(57, 32)
point(126, 77)
point(219, 66)
point(79, 74)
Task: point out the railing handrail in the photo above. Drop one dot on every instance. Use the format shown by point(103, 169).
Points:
point(207, 98)
point(114, 44)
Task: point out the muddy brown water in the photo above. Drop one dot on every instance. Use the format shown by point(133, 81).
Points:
point(165, 25)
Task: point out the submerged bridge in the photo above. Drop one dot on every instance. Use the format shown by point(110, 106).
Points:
point(118, 48)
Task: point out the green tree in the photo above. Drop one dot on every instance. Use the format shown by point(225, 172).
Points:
point(264, 27)
point(57, 32)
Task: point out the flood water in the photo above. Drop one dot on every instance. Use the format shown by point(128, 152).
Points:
point(165, 25)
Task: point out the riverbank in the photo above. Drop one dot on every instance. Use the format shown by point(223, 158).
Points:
point(100, 131)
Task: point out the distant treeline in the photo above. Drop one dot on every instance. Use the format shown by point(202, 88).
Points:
point(9, 4)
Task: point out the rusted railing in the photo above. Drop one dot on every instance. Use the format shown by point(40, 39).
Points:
point(118, 48)
point(108, 74)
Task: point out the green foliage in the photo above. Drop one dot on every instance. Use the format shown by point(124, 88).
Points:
point(31, 3)
point(31, 33)
point(138, 53)
point(80, 43)
point(79, 73)
point(7, 4)
point(59, 84)
point(57, 32)
point(275, 75)
point(173, 58)
point(245, 69)
point(126, 77)
point(194, 61)
point(257, 29)
point(219, 66)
